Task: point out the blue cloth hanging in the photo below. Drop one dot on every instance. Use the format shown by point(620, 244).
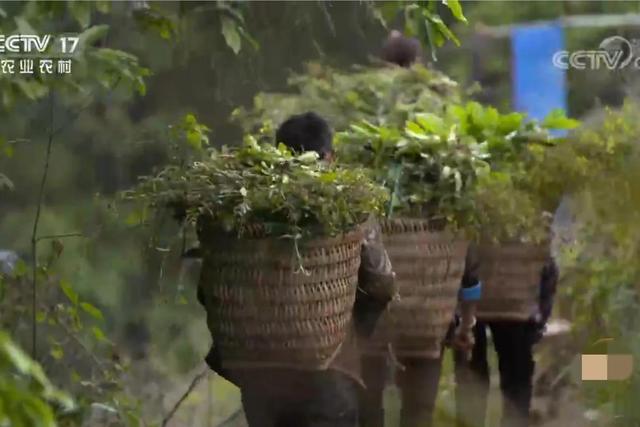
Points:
point(538, 86)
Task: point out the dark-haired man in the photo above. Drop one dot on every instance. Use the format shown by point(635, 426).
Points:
point(307, 132)
point(298, 397)
point(400, 50)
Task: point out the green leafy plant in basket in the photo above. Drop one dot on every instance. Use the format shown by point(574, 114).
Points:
point(259, 184)
point(478, 168)
point(382, 95)
point(514, 200)
point(428, 165)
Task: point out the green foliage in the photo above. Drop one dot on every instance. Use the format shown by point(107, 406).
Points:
point(470, 164)
point(154, 21)
point(90, 64)
point(74, 335)
point(380, 95)
point(429, 166)
point(27, 397)
point(422, 19)
point(260, 184)
point(188, 133)
point(233, 26)
point(515, 200)
point(599, 261)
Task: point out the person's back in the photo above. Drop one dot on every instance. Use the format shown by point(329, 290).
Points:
point(292, 395)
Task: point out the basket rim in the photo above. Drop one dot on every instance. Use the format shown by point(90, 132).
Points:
point(409, 224)
point(258, 234)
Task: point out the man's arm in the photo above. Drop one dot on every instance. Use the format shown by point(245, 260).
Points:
point(470, 292)
point(375, 276)
point(470, 288)
point(376, 282)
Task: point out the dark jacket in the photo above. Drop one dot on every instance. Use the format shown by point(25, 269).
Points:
point(548, 286)
point(470, 277)
point(376, 288)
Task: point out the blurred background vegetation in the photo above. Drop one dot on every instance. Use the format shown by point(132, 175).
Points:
point(117, 316)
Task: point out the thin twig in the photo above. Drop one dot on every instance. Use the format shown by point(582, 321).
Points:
point(233, 417)
point(82, 345)
point(186, 394)
point(59, 236)
point(34, 233)
point(80, 110)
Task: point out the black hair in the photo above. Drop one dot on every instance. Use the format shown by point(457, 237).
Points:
point(306, 132)
point(401, 50)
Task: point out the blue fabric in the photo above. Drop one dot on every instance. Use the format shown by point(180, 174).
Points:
point(471, 294)
point(538, 86)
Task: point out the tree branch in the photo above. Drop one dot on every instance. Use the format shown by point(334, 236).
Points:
point(34, 233)
point(59, 236)
point(192, 386)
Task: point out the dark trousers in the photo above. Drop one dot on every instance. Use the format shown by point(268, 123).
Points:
point(418, 384)
point(306, 399)
point(513, 342)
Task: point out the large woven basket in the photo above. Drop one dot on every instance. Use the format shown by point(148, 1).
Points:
point(429, 264)
point(510, 275)
point(262, 310)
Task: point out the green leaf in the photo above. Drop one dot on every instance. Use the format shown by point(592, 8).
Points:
point(231, 34)
point(443, 30)
point(510, 122)
point(431, 35)
point(6, 147)
point(92, 310)
point(21, 269)
point(194, 139)
point(456, 9)
point(558, 120)
point(431, 122)
point(136, 217)
point(57, 352)
point(415, 128)
point(103, 6)
point(388, 11)
point(81, 12)
point(100, 336)
point(411, 19)
point(18, 358)
point(5, 182)
point(253, 42)
point(153, 20)
point(69, 292)
point(89, 36)
point(308, 157)
point(3, 14)
point(32, 89)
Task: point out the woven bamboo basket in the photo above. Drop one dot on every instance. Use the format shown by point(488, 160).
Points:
point(262, 310)
point(429, 264)
point(510, 275)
